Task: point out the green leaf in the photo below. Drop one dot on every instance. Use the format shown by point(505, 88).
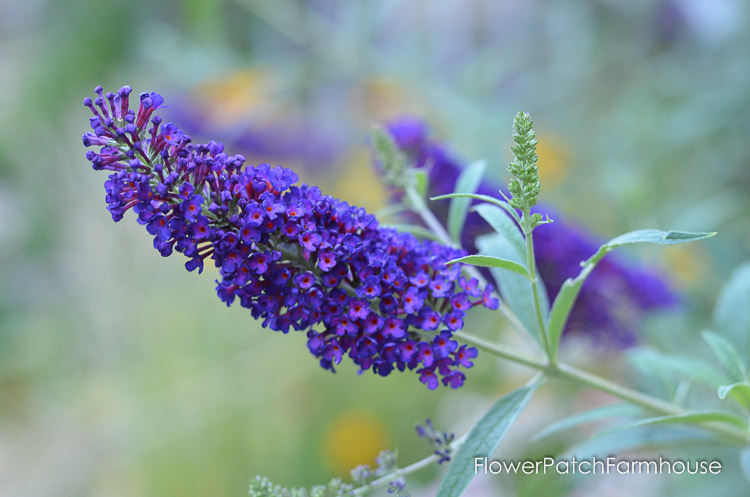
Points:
point(489, 261)
point(503, 226)
point(467, 182)
point(561, 308)
point(673, 368)
point(657, 236)
point(603, 412)
point(727, 354)
point(696, 418)
point(745, 462)
point(483, 439)
point(740, 392)
point(492, 200)
point(572, 286)
point(514, 288)
point(732, 311)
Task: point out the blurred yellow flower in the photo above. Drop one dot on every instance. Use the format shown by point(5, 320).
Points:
point(381, 98)
point(688, 263)
point(352, 438)
point(358, 183)
point(554, 159)
point(231, 98)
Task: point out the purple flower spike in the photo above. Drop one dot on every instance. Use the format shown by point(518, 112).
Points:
point(295, 258)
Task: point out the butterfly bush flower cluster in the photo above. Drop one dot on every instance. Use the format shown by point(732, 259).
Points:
point(297, 259)
point(616, 296)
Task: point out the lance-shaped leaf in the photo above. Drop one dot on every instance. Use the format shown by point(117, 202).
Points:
point(504, 226)
point(467, 182)
point(572, 286)
point(515, 289)
point(490, 261)
point(483, 439)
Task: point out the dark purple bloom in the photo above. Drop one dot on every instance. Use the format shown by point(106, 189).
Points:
point(292, 256)
point(394, 328)
point(430, 319)
point(171, 134)
point(413, 300)
point(370, 288)
point(159, 227)
point(310, 240)
point(455, 379)
point(305, 280)
point(358, 309)
point(454, 320)
point(191, 208)
point(443, 345)
point(464, 356)
point(426, 355)
point(489, 301)
point(326, 260)
point(428, 377)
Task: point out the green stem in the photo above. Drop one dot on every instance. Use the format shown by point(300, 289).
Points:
point(578, 376)
point(406, 470)
point(531, 262)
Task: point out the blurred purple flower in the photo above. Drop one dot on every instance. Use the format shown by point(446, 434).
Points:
point(613, 301)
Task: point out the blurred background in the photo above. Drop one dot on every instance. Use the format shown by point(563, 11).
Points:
point(122, 374)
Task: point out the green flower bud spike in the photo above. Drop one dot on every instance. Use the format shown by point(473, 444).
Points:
point(524, 185)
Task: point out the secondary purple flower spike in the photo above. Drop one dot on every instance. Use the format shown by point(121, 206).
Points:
point(616, 296)
point(296, 258)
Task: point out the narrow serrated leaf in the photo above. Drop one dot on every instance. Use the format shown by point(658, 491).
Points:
point(490, 261)
point(483, 439)
point(467, 182)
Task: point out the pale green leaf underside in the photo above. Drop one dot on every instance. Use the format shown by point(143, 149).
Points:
point(504, 226)
point(483, 439)
point(467, 182)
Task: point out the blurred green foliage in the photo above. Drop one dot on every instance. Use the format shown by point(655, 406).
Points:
point(121, 374)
